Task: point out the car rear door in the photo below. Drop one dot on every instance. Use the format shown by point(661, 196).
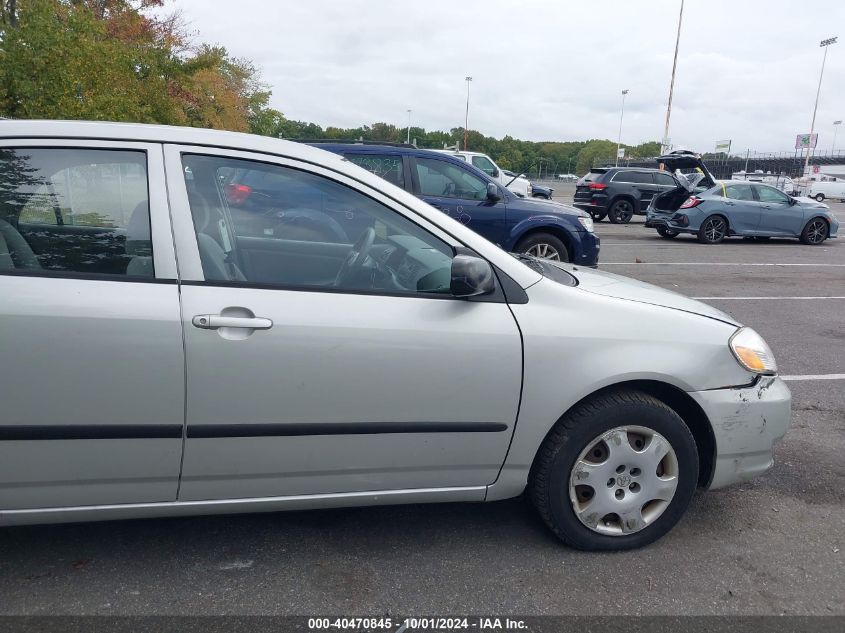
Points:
point(777, 215)
point(462, 195)
point(92, 373)
point(742, 208)
point(299, 385)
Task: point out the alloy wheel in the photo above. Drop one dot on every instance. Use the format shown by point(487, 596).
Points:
point(544, 251)
point(816, 231)
point(714, 229)
point(623, 480)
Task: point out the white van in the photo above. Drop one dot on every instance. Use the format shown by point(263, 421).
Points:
point(821, 189)
point(520, 186)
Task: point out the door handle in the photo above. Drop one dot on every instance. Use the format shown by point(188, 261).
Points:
point(215, 321)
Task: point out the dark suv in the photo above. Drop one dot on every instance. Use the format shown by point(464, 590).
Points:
point(621, 192)
point(540, 228)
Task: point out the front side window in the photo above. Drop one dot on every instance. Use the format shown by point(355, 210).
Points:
point(485, 165)
point(75, 210)
point(258, 223)
point(771, 195)
point(444, 179)
point(385, 166)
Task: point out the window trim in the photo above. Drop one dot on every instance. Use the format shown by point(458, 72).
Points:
point(164, 258)
point(628, 182)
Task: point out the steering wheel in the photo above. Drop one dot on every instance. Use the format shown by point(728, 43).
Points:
point(356, 257)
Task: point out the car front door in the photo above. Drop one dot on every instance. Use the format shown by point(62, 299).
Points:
point(372, 378)
point(742, 208)
point(92, 374)
point(778, 216)
point(462, 195)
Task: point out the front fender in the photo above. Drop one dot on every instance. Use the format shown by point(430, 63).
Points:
point(538, 222)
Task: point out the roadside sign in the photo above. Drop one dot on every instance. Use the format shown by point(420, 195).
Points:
point(620, 153)
point(816, 169)
point(723, 146)
point(806, 141)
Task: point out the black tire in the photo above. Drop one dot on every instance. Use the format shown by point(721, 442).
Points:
point(598, 216)
point(667, 233)
point(819, 197)
point(815, 232)
point(713, 229)
point(621, 211)
point(538, 243)
point(574, 432)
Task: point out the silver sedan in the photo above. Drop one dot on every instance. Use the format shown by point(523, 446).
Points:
point(176, 342)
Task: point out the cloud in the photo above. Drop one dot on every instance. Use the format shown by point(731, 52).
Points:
point(544, 70)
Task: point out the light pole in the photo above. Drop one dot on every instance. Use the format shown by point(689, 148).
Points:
point(409, 128)
point(621, 114)
point(836, 125)
point(672, 82)
point(466, 119)
point(824, 44)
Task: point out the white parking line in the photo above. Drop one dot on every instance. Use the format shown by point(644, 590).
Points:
point(816, 377)
point(713, 264)
point(762, 298)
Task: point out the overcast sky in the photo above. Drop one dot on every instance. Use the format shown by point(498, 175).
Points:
point(545, 70)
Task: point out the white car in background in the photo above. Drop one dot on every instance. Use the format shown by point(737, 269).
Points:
point(822, 189)
point(517, 184)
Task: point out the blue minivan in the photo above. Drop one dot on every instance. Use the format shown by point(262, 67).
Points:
point(541, 228)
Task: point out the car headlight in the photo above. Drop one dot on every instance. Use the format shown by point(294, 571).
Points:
point(587, 223)
point(751, 351)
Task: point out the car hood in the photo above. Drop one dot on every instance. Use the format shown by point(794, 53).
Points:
point(804, 201)
point(536, 205)
point(610, 285)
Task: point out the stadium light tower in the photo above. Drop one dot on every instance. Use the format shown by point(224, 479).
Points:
point(824, 44)
point(466, 119)
point(409, 128)
point(621, 114)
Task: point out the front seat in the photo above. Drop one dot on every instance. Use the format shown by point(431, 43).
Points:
point(216, 262)
point(15, 253)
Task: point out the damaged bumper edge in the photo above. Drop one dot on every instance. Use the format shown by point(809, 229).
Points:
point(747, 423)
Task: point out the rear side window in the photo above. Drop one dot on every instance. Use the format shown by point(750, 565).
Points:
point(665, 180)
point(739, 192)
point(635, 177)
point(386, 166)
point(75, 210)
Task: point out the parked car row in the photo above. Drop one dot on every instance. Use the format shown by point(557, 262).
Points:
point(696, 203)
point(243, 324)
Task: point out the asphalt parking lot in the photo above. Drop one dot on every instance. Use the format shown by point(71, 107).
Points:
point(771, 546)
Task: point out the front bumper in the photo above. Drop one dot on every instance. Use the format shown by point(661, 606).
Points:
point(747, 422)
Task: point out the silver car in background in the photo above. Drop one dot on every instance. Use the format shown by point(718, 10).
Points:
point(165, 353)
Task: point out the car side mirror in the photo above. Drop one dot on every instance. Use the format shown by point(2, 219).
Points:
point(495, 173)
point(493, 192)
point(792, 201)
point(471, 276)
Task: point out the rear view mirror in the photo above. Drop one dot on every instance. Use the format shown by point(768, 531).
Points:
point(493, 192)
point(471, 276)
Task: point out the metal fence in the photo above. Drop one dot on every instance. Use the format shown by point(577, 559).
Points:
point(776, 163)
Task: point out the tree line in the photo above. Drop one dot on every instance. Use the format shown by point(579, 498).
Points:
point(121, 60)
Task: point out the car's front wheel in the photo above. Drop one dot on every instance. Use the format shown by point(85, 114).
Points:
point(621, 212)
point(667, 233)
point(815, 232)
point(713, 230)
point(617, 472)
point(543, 246)
point(819, 197)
